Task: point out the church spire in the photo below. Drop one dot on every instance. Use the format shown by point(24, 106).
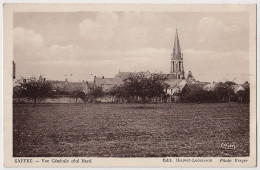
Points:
point(177, 59)
point(176, 47)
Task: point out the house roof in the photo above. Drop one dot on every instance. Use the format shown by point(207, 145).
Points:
point(124, 75)
point(190, 77)
point(240, 88)
point(76, 84)
point(196, 85)
point(176, 86)
point(174, 83)
point(210, 86)
point(245, 85)
point(69, 86)
point(237, 88)
point(108, 81)
point(90, 84)
point(169, 76)
point(60, 84)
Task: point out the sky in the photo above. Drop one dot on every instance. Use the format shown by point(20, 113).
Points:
point(80, 45)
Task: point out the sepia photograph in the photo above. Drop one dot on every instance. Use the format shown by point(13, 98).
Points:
point(125, 83)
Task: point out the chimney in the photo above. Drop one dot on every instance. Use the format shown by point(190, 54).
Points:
point(66, 79)
point(95, 79)
point(103, 77)
point(13, 70)
point(44, 80)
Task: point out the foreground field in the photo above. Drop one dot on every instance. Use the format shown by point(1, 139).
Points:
point(130, 130)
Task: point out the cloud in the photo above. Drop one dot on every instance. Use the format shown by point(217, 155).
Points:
point(63, 52)
point(71, 58)
point(69, 47)
point(23, 36)
point(128, 30)
point(147, 57)
point(214, 66)
point(104, 42)
point(27, 44)
point(102, 28)
point(208, 29)
point(218, 35)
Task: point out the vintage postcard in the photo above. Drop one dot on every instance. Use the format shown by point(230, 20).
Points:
point(129, 85)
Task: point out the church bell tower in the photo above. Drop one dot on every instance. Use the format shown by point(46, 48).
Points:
point(177, 68)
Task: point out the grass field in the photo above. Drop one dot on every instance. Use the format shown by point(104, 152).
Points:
point(130, 130)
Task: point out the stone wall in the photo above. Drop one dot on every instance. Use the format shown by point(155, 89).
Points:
point(49, 100)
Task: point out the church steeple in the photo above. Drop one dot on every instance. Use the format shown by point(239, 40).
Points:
point(177, 59)
point(176, 47)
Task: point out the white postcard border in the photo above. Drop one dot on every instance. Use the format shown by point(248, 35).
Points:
point(9, 161)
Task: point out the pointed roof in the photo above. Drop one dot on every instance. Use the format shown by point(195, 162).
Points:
point(177, 47)
point(124, 75)
point(190, 75)
point(174, 83)
point(108, 81)
point(210, 87)
point(191, 78)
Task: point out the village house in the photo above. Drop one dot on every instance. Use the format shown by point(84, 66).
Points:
point(107, 83)
point(210, 86)
point(67, 87)
point(175, 88)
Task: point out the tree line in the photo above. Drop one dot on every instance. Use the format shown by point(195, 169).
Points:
point(223, 92)
point(136, 88)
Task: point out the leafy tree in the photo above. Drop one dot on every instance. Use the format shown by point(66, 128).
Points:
point(34, 88)
point(224, 90)
point(61, 92)
point(145, 86)
point(17, 92)
point(95, 93)
point(193, 93)
point(79, 94)
point(118, 91)
point(245, 94)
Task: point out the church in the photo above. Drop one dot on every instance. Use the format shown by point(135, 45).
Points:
point(177, 68)
point(175, 78)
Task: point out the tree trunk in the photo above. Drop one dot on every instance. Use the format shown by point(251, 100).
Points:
point(143, 99)
point(34, 102)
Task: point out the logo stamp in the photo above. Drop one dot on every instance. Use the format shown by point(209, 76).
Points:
point(229, 145)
